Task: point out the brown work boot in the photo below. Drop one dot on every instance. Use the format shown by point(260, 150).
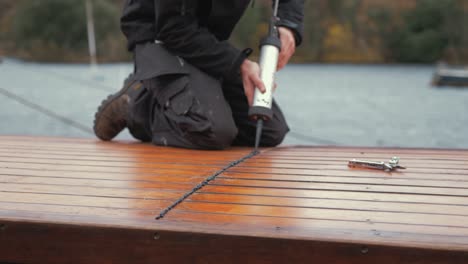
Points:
point(111, 116)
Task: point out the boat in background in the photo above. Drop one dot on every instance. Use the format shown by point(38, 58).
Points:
point(450, 76)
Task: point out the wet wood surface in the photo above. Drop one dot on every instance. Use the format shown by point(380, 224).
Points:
point(84, 201)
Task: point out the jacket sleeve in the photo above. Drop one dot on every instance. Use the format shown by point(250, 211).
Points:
point(137, 22)
point(291, 14)
point(178, 28)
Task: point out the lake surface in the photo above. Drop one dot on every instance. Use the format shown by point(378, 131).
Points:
point(348, 105)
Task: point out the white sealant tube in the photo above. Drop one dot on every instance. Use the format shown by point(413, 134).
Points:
point(269, 55)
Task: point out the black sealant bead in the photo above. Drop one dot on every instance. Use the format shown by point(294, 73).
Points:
point(205, 182)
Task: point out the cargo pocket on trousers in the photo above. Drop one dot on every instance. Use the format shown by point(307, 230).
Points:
point(182, 110)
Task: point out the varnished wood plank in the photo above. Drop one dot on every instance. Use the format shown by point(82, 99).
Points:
point(379, 206)
point(379, 156)
point(127, 164)
point(358, 152)
point(415, 180)
point(103, 190)
point(136, 192)
point(346, 149)
point(145, 249)
point(344, 163)
point(135, 203)
point(357, 172)
point(142, 188)
point(41, 140)
point(177, 176)
point(152, 182)
point(230, 224)
point(28, 170)
point(331, 160)
point(125, 155)
point(299, 194)
point(338, 152)
point(341, 168)
point(315, 213)
point(376, 233)
point(326, 235)
point(101, 175)
point(155, 158)
point(217, 160)
point(182, 183)
point(123, 203)
point(383, 152)
point(371, 230)
point(236, 199)
point(89, 211)
point(173, 192)
point(293, 159)
point(463, 192)
point(260, 167)
point(261, 226)
point(128, 168)
point(330, 194)
point(121, 193)
point(144, 191)
point(353, 174)
point(276, 162)
point(292, 227)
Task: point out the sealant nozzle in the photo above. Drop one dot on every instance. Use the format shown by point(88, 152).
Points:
point(259, 133)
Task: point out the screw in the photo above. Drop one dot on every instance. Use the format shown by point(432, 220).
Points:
point(2, 227)
point(364, 250)
point(156, 236)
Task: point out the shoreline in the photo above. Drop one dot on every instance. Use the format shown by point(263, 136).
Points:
point(78, 63)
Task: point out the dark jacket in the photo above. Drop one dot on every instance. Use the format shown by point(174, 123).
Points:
point(197, 30)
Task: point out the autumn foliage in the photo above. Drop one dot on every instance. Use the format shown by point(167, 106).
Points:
point(351, 31)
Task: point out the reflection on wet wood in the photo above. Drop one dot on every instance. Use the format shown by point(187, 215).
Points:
point(94, 202)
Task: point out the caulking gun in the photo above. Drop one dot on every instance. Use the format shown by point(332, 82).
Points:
point(270, 47)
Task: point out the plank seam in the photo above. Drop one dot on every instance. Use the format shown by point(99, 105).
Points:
point(205, 182)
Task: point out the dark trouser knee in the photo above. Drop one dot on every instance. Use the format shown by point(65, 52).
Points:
point(189, 132)
point(274, 134)
point(222, 137)
point(216, 140)
point(137, 122)
point(190, 111)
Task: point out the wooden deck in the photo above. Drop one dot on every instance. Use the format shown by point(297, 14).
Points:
point(83, 201)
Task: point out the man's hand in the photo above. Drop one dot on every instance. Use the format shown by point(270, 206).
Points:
point(250, 72)
point(288, 46)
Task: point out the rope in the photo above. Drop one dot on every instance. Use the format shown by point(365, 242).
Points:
point(45, 111)
point(205, 182)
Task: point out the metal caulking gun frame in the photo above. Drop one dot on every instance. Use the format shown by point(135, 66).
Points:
point(270, 48)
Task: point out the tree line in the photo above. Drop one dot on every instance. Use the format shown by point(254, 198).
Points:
point(351, 31)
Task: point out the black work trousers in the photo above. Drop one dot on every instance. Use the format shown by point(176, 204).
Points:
point(181, 106)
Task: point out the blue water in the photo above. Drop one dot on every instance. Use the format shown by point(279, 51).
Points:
point(348, 105)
